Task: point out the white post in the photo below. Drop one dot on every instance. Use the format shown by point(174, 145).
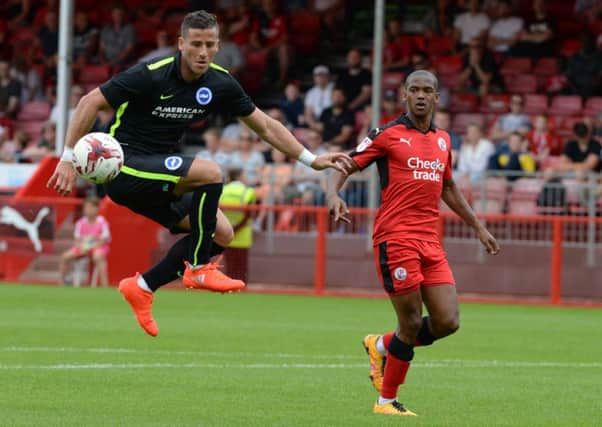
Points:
point(64, 71)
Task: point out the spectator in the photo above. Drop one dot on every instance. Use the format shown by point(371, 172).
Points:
point(92, 237)
point(45, 146)
point(514, 121)
point(474, 155)
point(48, 37)
point(292, 105)
point(536, 41)
point(319, 97)
point(543, 141)
point(10, 149)
point(241, 23)
point(336, 122)
point(505, 30)
point(29, 79)
point(229, 54)
point(356, 81)
point(584, 68)
point(212, 150)
point(391, 109)
point(164, 48)
point(85, 40)
point(309, 182)
point(247, 159)
point(41, 11)
point(17, 13)
point(581, 155)
point(397, 50)
point(470, 25)
point(597, 127)
point(332, 13)
point(479, 74)
point(77, 92)
point(10, 91)
point(117, 40)
point(442, 120)
point(513, 157)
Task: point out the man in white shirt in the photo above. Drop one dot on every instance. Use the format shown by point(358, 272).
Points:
point(471, 24)
point(474, 155)
point(506, 30)
point(514, 121)
point(319, 97)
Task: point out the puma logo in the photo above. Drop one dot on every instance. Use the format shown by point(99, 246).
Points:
point(406, 141)
point(12, 217)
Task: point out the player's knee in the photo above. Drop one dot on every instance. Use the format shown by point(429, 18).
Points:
point(410, 325)
point(207, 172)
point(446, 326)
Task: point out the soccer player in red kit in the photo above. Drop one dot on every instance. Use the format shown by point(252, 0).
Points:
point(414, 164)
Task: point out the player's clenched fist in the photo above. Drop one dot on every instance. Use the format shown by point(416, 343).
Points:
point(338, 209)
point(63, 178)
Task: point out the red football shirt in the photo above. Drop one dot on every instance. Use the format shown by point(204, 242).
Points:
point(412, 166)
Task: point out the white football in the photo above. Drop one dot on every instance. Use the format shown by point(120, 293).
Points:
point(97, 157)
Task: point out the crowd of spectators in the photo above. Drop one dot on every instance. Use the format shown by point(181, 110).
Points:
point(477, 48)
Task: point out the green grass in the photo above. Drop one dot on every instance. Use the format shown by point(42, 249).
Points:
point(76, 357)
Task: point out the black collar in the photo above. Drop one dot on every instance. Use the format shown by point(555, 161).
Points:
point(405, 120)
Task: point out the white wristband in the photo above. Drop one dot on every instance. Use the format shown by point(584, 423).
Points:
point(307, 157)
point(67, 154)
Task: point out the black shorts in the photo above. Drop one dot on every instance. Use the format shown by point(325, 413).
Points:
point(145, 185)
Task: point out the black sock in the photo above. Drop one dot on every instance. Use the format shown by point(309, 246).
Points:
point(203, 218)
point(170, 267)
point(216, 249)
point(425, 336)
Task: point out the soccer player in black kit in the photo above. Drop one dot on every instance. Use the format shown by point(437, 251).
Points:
point(155, 101)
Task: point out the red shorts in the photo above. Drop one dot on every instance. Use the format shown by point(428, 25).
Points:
point(405, 265)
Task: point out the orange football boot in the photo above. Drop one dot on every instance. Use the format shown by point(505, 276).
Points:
point(210, 278)
point(141, 302)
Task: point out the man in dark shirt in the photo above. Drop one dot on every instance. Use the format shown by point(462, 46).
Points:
point(582, 154)
point(356, 81)
point(336, 122)
point(536, 41)
point(10, 91)
point(155, 102)
point(49, 39)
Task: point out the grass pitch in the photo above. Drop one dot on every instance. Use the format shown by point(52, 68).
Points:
point(76, 357)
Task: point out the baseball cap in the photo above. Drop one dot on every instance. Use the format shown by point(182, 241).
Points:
point(321, 69)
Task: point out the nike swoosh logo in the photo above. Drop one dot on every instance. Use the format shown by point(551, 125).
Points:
point(165, 97)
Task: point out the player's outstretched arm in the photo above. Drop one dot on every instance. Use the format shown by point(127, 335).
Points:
point(336, 206)
point(278, 136)
point(452, 196)
point(63, 178)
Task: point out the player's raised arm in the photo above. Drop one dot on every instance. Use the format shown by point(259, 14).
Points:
point(63, 178)
point(278, 136)
point(452, 196)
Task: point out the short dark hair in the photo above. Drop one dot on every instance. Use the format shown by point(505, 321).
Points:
point(422, 73)
point(200, 20)
point(580, 129)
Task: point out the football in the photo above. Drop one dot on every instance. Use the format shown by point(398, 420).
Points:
point(97, 157)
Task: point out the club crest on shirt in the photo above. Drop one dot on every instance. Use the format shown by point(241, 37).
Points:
point(204, 95)
point(442, 144)
point(173, 162)
point(400, 273)
point(366, 142)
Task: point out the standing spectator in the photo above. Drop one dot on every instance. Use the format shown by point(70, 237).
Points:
point(117, 40)
point(356, 81)
point(85, 39)
point(212, 150)
point(506, 29)
point(165, 48)
point(536, 41)
point(292, 105)
point(543, 141)
point(10, 91)
point(513, 157)
point(584, 68)
point(48, 37)
point(76, 94)
point(336, 122)
point(247, 159)
point(581, 155)
point(514, 121)
point(479, 73)
point(442, 120)
point(319, 97)
point(474, 154)
point(229, 54)
point(470, 25)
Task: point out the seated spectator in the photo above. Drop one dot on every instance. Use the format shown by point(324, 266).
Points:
point(92, 237)
point(356, 81)
point(44, 147)
point(332, 14)
point(442, 120)
point(292, 105)
point(29, 79)
point(213, 151)
point(17, 13)
point(85, 40)
point(479, 70)
point(166, 48)
point(48, 38)
point(584, 68)
point(513, 157)
point(506, 29)
point(582, 155)
point(77, 92)
point(543, 141)
point(470, 25)
point(247, 159)
point(241, 21)
point(536, 40)
point(229, 55)
point(397, 50)
point(10, 91)
point(391, 109)
point(336, 122)
point(117, 40)
point(309, 182)
point(10, 149)
point(474, 155)
point(514, 121)
point(319, 97)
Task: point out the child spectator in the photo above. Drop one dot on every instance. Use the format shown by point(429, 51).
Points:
point(513, 157)
point(543, 141)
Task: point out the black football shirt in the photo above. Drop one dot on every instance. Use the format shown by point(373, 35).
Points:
point(154, 105)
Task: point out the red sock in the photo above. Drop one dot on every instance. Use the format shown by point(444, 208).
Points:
point(387, 339)
point(395, 375)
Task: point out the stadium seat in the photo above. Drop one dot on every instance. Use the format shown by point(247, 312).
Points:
point(449, 64)
point(550, 162)
point(440, 46)
point(33, 128)
point(565, 105)
point(521, 83)
point(593, 106)
point(546, 67)
point(516, 66)
point(567, 28)
point(305, 32)
point(94, 74)
point(461, 120)
point(34, 111)
point(449, 80)
point(463, 103)
point(523, 196)
point(569, 47)
point(495, 191)
point(392, 80)
point(535, 103)
point(495, 103)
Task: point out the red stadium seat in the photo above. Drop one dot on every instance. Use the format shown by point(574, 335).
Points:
point(567, 28)
point(449, 64)
point(392, 80)
point(569, 47)
point(565, 105)
point(33, 128)
point(569, 122)
point(254, 72)
point(535, 104)
point(94, 74)
point(439, 46)
point(516, 66)
point(34, 111)
point(550, 162)
point(449, 80)
point(523, 197)
point(495, 195)
point(593, 106)
point(305, 31)
point(495, 103)
point(463, 103)
point(461, 120)
point(521, 83)
point(546, 67)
